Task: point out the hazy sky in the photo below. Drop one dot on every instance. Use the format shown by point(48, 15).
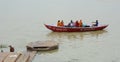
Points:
point(49, 10)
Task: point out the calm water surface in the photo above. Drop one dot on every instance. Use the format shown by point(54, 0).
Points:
point(22, 21)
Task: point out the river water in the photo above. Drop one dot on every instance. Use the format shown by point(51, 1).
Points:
point(22, 21)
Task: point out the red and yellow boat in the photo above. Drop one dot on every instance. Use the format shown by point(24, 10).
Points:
point(74, 29)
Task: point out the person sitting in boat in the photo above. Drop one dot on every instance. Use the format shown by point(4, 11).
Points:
point(58, 23)
point(77, 24)
point(62, 23)
point(95, 23)
point(71, 24)
point(80, 23)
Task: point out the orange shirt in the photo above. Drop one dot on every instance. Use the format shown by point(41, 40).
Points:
point(58, 23)
point(62, 23)
point(80, 23)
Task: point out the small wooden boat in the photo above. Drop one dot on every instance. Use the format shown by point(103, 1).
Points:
point(42, 45)
point(75, 29)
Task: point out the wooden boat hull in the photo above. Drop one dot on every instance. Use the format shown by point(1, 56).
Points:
point(74, 29)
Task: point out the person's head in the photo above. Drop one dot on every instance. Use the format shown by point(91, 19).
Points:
point(71, 21)
point(80, 20)
point(76, 20)
point(58, 20)
point(96, 20)
point(9, 46)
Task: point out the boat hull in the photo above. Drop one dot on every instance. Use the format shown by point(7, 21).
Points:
point(75, 29)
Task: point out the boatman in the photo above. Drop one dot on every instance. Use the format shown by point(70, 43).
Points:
point(96, 23)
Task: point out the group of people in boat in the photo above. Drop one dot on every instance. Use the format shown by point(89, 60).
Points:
point(75, 24)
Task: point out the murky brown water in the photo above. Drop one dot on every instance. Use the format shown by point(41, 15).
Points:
point(22, 21)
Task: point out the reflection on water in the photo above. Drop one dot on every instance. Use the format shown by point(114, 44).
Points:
point(76, 35)
point(71, 42)
point(62, 36)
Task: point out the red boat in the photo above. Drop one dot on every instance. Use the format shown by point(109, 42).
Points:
point(75, 29)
